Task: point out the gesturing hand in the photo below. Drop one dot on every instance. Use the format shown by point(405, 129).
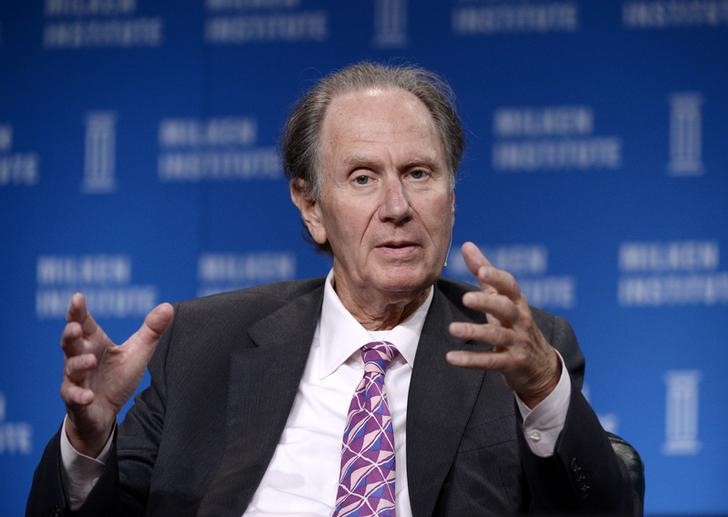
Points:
point(524, 357)
point(98, 376)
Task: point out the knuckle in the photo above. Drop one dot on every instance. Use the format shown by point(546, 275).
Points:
point(468, 331)
point(527, 320)
point(468, 360)
point(520, 356)
point(477, 359)
point(65, 392)
point(524, 318)
point(499, 336)
point(507, 277)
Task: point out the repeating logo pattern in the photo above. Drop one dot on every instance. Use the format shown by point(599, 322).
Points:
point(681, 409)
point(686, 134)
point(139, 163)
point(100, 153)
point(16, 438)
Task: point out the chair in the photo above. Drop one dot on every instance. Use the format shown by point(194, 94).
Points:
point(631, 458)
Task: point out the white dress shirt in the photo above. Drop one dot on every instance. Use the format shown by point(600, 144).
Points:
point(302, 477)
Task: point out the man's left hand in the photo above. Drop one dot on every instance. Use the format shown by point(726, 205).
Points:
point(521, 353)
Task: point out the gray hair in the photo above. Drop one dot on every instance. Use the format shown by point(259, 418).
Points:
point(301, 134)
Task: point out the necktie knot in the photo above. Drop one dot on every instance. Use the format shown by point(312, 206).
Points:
point(378, 355)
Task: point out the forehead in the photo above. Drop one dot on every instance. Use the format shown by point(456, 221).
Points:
point(373, 118)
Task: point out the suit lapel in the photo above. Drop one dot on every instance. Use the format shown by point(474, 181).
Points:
point(263, 383)
point(441, 399)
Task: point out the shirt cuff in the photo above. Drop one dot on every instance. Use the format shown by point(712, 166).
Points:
point(542, 425)
point(80, 472)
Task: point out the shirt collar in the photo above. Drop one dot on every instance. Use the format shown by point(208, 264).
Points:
point(341, 335)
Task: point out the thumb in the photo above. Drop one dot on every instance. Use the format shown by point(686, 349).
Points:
point(156, 322)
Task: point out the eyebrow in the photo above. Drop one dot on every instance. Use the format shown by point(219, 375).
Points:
point(359, 160)
point(421, 162)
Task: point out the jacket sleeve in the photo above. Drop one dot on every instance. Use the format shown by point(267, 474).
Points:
point(584, 475)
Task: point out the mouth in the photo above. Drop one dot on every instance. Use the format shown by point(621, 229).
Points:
point(398, 248)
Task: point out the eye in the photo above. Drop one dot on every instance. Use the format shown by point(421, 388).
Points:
point(361, 179)
point(418, 174)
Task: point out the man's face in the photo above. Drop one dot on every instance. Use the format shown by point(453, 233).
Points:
point(385, 204)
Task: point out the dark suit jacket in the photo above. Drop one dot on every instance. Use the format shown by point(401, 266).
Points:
point(224, 378)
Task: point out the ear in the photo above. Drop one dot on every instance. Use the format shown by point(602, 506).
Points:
point(452, 207)
point(309, 208)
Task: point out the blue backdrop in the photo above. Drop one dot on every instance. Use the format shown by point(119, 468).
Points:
point(138, 164)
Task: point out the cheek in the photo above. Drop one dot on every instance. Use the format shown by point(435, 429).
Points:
point(344, 223)
point(354, 217)
point(439, 217)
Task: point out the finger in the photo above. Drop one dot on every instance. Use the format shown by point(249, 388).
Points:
point(480, 360)
point(77, 308)
point(497, 306)
point(143, 342)
point(474, 259)
point(78, 311)
point(500, 280)
point(72, 339)
point(75, 396)
point(494, 335)
point(489, 276)
point(76, 367)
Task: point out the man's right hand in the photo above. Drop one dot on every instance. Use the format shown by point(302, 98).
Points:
point(99, 376)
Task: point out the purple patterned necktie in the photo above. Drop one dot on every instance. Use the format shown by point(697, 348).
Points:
point(366, 481)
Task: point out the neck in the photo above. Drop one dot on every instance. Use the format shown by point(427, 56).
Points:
point(376, 312)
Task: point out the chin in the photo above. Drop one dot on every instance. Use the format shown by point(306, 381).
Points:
point(406, 281)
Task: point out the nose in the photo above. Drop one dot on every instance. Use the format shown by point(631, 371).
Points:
point(395, 205)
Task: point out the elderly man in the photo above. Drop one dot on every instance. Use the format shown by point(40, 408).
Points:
point(379, 390)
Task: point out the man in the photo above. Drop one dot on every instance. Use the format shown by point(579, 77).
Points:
point(251, 392)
